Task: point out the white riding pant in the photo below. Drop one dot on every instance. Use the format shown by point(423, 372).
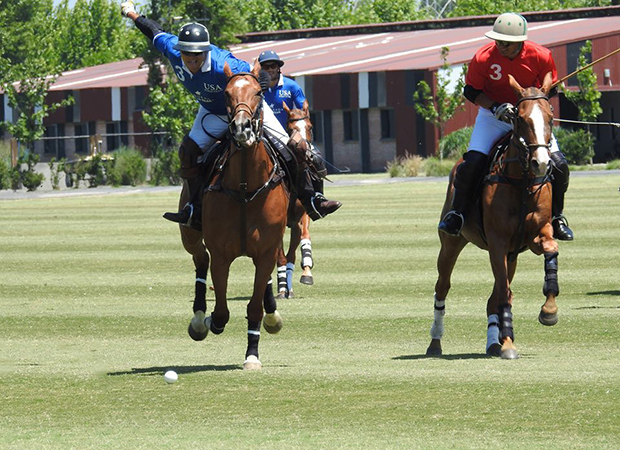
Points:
point(208, 128)
point(488, 130)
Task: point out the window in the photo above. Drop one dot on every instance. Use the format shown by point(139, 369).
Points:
point(140, 97)
point(387, 124)
point(53, 145)
point(116, 135)
point(351, 126)
point(83, 131)
point(317, 126)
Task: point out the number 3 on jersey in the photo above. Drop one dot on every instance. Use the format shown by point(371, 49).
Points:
point(496, 72)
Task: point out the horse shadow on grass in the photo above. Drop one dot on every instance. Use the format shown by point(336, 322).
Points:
point(452, 357)
point(178, 369)
point(612, 292)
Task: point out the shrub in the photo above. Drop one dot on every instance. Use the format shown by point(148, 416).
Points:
point(5, 174)
point(129, 168)
point(455, 144)
point(408, 166)
point(613, 165)
point(165, 168)
point(577, 146)
point(55, 169)
point(434, 167)
point(29, 178)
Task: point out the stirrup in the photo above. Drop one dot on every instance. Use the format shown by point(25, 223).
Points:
point(445, 226)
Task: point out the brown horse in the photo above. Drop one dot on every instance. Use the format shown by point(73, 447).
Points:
point(244, 214)
point(516, 215)
point(299, 222)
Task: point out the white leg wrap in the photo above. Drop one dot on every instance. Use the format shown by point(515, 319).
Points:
point(493, 330)
point(439, 312)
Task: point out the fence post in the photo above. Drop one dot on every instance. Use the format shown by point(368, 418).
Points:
point(14, 152)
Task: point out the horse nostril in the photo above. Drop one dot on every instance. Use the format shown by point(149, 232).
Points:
point(535, 165)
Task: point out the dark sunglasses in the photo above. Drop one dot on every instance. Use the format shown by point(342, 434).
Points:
point(268, 66)
point(504, 43)
point(184, 53)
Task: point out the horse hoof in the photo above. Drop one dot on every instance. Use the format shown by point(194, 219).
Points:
point(305, 279)
point(548, 319)
point(197, 329)
point(252, 363)
point(510, 353)
point(434, 349)
point(281, 295)
point(494, 350)
point(272, 322)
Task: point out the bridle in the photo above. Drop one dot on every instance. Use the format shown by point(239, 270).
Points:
point(256, 121)
point(525, 149)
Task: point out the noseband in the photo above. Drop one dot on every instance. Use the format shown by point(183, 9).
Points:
point(256, 122)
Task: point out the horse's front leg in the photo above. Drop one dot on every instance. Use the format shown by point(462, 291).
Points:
point(500, 302)
point(264, 266)
point(451, 247)
point(220, 268)
point(546, 245)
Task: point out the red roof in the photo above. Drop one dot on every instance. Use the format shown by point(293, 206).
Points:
point(383, 51)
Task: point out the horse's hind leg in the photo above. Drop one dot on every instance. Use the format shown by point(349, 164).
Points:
point(281, 273)
point(307, 263)
point(451, 247)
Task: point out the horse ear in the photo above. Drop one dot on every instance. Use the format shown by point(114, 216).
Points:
point(305, 107)
point(515, 86)
point(547, 82)
point(286, 108)
point(256, 68)
point(227, 70)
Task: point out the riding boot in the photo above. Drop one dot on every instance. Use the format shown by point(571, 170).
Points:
point(191, 214)
point(561, 174)
point(466, 180)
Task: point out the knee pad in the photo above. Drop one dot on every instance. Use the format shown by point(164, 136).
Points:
point(188, 155)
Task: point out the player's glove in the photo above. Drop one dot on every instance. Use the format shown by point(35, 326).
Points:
point(127, 7)
point(505, 112)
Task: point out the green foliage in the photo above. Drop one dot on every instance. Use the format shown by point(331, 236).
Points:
point(577, 146)
point(408, 166)
point(29, 178)
point(454, 145)
point(613, 165)
point(129, 168)
point(165, 168)
point(172, 109)
point(435, 167)
point(439, 107)
point(5, 174)
point(484, 7)
point(55, 168)
point(587, 98)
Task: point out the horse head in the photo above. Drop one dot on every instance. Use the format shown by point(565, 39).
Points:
point(244, 103)
point(533, 125)
point(299, 120)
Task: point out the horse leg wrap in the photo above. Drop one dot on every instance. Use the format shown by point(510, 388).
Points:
point(506, 329)
point(290, 267)
point(551, 274)
point(253, 338)
point(493, 330)
point(215, 327)
point(306, 253)
point(269, 301)
point(200, 300)
point(439, 312)
point(282, 285)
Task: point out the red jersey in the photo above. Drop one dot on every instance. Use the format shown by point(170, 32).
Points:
point(488, 70)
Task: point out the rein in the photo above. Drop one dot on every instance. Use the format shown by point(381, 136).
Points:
point(525, 182)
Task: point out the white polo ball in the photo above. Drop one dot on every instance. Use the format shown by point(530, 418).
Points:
point(171, 377)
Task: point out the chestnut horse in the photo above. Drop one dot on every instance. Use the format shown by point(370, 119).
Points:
point(244, 214)
point(299, 223)
point(516, 215)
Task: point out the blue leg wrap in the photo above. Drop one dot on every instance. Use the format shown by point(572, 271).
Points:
point(551, 274)
point(290, 267)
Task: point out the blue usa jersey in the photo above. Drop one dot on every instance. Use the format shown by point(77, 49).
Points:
point(208, 85)
point(287, 90)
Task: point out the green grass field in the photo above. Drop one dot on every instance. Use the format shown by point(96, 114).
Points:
point(95, 299)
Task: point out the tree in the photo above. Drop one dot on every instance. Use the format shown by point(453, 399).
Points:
point(439, 108)
point(587, 97)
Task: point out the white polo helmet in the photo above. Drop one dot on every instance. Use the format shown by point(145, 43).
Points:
point(509, 27)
